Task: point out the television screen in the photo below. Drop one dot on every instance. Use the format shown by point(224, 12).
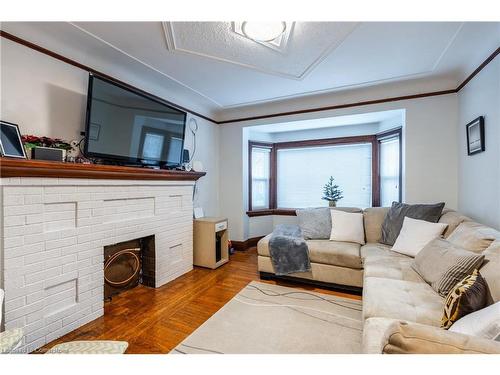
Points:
point(132, 127)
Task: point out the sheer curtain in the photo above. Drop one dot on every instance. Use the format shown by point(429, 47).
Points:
point(302, 173)
point(261, 163)
point(389, 171)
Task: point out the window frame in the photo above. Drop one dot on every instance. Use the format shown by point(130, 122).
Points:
point(390, 134)
point(272, 174)
point(274, 147)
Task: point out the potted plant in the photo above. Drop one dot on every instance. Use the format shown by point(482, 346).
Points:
point(32, 141)
point(332, 192)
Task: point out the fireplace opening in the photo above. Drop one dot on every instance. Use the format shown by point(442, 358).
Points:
point(128, 264)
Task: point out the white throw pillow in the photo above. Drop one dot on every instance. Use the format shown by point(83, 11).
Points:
point(347, 226)
point(483, 323)
point(415, 234)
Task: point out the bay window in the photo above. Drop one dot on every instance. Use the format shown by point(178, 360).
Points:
point(302, 173)
point(289, 175)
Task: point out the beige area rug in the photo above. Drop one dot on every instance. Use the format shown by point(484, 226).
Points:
point(265, 318)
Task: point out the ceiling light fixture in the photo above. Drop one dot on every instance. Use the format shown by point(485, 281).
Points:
point(263, 31)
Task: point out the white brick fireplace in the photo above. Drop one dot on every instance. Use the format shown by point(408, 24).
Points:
point(54, 231)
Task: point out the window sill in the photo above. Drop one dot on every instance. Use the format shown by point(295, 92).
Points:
point(273, 211)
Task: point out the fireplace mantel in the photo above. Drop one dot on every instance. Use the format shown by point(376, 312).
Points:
point(39, 168)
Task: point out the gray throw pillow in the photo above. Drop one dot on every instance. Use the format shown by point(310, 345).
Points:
point(442, 264)
point(316, 223)
point(395, 216)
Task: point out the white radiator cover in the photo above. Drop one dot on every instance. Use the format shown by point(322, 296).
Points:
point(53, 234)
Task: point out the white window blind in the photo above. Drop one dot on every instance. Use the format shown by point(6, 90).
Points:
point(302, 173)
point(261, 163)
point(389, 171)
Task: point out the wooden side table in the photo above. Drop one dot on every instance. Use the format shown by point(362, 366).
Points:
point(210, 242)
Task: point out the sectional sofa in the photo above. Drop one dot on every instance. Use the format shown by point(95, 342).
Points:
point(397, 302)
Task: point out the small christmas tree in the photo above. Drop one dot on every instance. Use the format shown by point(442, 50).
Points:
point(332, 192)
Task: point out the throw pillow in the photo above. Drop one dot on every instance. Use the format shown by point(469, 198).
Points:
point(473, 236)
point(467, 296)
point(316, 223)
point(442, 264)
point(393, 221)
point(347, 226)
point(415, 234)
point(484, 323)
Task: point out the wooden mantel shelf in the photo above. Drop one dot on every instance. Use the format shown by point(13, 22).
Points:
point(39, 168)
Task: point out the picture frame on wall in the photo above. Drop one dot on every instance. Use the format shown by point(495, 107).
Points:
point(475, 136)
point(11, 144)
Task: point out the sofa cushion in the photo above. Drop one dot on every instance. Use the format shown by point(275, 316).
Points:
point(473, 236)
point(345, 254)
point(316, 223)
point(400, 299)
point(490, 272)
point(391, 267)
point(443, 264)
point(377, 250)
point(453, 219)
point(338, 253)
point(373, 218)
point(393, 221)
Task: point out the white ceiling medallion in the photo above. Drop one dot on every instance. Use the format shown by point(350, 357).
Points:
point(273, 35)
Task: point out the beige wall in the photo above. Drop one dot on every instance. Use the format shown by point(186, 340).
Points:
point(479, 174)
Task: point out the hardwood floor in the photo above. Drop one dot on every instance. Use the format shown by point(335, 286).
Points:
point(156, 320)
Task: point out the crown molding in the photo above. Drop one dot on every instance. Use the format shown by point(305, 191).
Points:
point(489, 59)
point(77, 64)
point(85, 31)
point(89, 69)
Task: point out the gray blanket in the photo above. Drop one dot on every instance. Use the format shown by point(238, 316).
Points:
point(288, 250)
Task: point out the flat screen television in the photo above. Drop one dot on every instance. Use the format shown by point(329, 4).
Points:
point(131, 127)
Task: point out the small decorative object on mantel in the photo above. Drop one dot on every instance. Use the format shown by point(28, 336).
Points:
point(475, 136)
point(45, 148)
point(10, 141)
point(332, 192)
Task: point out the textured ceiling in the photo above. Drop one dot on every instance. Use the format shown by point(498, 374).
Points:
point(308, 44)
point(210, 66)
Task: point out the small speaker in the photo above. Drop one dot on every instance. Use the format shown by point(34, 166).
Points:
point(48, 153)
point(185, 156)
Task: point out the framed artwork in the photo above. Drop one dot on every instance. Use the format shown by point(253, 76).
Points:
point(11, 144)
point(475, 136)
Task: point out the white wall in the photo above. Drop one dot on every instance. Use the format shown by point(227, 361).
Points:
point(45, 96)
point(430, 150)
point(479, 174)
